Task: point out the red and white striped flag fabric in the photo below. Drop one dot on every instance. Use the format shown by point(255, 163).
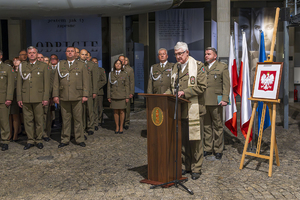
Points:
point(244, 90)
point(230, 110)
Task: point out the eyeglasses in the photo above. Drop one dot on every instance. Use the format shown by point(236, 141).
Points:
point(179, 54)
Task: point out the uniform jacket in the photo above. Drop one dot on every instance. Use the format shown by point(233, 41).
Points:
point(160, 85)
point(130, 74)
point(6, 82)
point(74, 87)
point(36, 87)
point(52, 74)
point(119, 90)
point(93, 76)
point(189, 92)
point(101, 80)
point(218, 83)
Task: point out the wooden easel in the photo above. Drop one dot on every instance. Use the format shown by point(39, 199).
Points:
point(272, 110)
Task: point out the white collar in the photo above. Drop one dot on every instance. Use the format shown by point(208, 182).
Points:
point(54, 66)
point(33, 63)
point(118, 71)
point(183, 66)
point(163, 64)
point(0, 62)
point(211, 64)
point(71, 61)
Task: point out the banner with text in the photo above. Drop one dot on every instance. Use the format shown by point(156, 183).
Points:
point(53, 36)
point(185, 25)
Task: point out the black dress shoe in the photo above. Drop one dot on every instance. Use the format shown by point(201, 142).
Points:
point(62, 145)
point(90, 132)
point(28, 146)
point(85, 137)
point(40, 145)
point(82, 144)
point(219, 156)
point(206, 153)
point(184, 172)
point(195, 176)
point(47, 139)
point(126, 127)
point(4, 147)
point(121, 132)
point(99, 124)
point(116, 132)
point(96, 128)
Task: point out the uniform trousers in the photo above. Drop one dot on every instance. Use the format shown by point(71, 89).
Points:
point(4, 123)
point(71, 109)
point(88, 115)
point(47, 121)
point(99, 115)
point(213, 129)
point(127, 113)
point(33, 122)
point(192, 150)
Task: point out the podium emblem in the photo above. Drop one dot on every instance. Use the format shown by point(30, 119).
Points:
point(157, 116)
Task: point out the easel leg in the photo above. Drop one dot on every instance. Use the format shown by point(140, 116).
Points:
point(248, 135)
point(272, 139)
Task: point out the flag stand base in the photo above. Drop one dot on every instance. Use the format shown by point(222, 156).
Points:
point(271, 104)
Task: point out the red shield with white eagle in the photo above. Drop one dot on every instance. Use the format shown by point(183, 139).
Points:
point(267, 80)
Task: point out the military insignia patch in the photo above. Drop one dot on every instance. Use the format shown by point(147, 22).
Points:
point(192, 80)
point(202, 69)
point(12, 70)
point(168, 70)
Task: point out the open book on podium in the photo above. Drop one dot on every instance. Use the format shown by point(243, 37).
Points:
point(161, 138)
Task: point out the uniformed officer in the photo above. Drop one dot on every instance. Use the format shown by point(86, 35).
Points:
point(130, 74)
point(48, 115)
point(71, 90)
point(23, 55)
point(118, 93)
point(88, 113)
point(192, 85)
point(98, 106)
point(40, 57)
point(160, 74)
point(77, 53)
point(33, 87)
point(218, 86)
point(6, 97)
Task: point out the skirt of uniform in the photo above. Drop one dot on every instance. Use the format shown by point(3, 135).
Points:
point(118, 104)
point(14, 108)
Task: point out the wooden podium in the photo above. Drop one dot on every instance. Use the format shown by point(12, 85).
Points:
point(161, 138)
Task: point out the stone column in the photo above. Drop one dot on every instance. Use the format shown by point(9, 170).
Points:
point(14, 38)
point(221, 14)
point(117, 37)
point(144, 39)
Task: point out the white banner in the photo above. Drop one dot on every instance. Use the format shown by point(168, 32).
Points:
point(186, 25)
point(53, 36)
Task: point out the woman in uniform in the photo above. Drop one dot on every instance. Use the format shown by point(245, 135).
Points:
point(118, 94)
point(127, 61)
point(14, 117)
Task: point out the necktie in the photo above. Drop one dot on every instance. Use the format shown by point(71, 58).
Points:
point(161, 65)
point(70, 64)
point(32, 65)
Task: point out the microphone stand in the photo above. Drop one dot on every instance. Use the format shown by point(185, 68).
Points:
point(176, 181)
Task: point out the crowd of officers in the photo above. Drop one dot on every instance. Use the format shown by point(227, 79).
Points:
point(33, 86)
point(76, 86)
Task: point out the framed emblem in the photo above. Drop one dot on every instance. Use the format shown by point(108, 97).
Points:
point(267, 80)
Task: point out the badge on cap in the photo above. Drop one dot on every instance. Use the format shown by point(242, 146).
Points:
point(192, 80)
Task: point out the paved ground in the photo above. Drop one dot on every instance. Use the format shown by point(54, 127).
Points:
point(111, 166)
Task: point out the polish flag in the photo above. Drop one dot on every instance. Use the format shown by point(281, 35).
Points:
point(230, 110)
point(244, 90)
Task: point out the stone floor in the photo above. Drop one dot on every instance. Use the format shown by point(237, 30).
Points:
point(111, 166)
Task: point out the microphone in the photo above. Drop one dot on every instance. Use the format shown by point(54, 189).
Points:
point(178, 66)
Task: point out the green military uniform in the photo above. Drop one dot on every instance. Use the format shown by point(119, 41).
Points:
point(160, 78)
point(118, 89)
point(33, 87)
point(71, 83)
point(218, 83)
point(47, 109)
point(192, 150)
point(6, 93)
point(98, 106)
point(88, 113)
point(130, 74)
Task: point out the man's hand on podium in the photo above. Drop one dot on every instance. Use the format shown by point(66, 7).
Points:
point(180, 93)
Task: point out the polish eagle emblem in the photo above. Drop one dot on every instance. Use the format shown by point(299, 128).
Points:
point(267, 80)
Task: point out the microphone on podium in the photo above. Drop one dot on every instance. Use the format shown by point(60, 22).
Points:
point(178, 66)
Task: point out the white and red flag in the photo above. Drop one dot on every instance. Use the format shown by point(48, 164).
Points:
point(244, 90)
point(230, 109)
